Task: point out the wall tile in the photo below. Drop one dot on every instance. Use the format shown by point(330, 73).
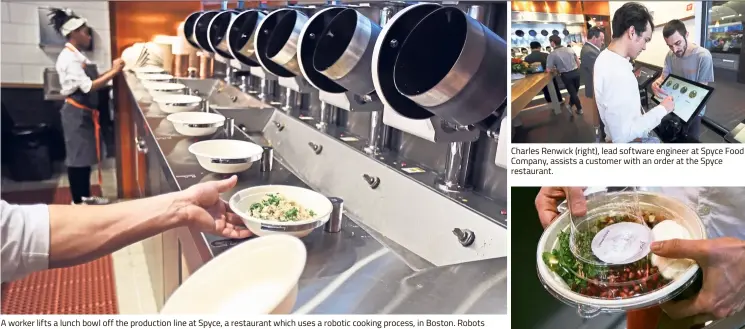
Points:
point(11, 73)
point(33, 74)
point(22, 59)
point(5, 11)
point(20, 33)
point(24, 13)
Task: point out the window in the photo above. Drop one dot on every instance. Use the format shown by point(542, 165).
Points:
point(724, 31)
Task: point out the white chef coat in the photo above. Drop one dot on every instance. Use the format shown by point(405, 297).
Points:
point(72, 77)
point(24, 235)
point(618, 100)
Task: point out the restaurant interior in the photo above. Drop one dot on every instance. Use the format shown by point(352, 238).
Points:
point(715, 25)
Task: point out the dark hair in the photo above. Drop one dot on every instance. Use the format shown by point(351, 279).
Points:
point(631, 14)
point(555, 39)
point(58, 17)
point(594, 32)
point(673, 26)
point(535, 45)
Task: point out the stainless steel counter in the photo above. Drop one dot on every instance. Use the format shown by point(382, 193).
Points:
point(356, 271)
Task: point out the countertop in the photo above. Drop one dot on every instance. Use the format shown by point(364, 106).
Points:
point(525, 89)
point(355, 271)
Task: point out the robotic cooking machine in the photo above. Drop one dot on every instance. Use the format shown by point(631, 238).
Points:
point(395, 108)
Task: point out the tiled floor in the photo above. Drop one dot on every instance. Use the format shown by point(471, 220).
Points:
point(133, 285)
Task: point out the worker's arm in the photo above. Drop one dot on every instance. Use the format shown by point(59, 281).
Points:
point(73, 77)
point(83, 233)
point(79, 234)
point(657, 84)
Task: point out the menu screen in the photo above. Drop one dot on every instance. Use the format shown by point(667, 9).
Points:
point(689, 97)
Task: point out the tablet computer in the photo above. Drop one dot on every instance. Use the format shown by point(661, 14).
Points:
point(690, 97)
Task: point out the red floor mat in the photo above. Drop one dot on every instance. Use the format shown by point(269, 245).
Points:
point(84, 289)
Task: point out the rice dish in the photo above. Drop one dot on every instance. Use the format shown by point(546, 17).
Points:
point(276, 207)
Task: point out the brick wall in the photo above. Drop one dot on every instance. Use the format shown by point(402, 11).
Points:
point(23, 61)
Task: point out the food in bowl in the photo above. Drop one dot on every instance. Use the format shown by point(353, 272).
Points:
point(275, 206)
point(243, 201)
point(605, 282)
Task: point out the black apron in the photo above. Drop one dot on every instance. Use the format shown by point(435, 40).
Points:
point(81, 127)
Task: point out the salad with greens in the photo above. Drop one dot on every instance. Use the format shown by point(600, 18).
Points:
point(276, 207)
point(604, 282)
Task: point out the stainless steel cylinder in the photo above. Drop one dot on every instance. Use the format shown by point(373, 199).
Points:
point(218, 32)
point(229, 127)
point(344, 51)
point(269, 92)
point(205, 105)
point(457, 167)
point(337, 216)
point(281, 47)
point(253, 85)
point(378, 139)
point(267, 159)
point(241, 36)
point(229, 75)
point(463, 82)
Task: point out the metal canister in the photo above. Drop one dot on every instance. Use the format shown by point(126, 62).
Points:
point(267, 159)
point(337, 216)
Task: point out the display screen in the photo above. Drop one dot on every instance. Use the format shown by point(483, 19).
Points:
point(690, 97)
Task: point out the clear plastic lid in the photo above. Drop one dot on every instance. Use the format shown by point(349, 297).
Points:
point(597, 253)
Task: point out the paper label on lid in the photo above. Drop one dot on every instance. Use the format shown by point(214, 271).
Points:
point(622, 243)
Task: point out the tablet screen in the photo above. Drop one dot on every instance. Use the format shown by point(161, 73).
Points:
point(690, 97)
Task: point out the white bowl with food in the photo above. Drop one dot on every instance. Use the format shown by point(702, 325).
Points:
point(226, 156)
point(281, 209)
point(157, 77)
point(164, 88)
point(593, 287)
point(177, 103)
point(196, 123)
point(264, 285)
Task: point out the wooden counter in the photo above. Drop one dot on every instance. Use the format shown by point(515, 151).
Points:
point(525, 89)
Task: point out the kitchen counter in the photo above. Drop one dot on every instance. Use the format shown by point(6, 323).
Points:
point(524, 90)
point(355, 271)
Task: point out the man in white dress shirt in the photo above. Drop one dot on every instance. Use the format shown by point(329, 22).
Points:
point(616, 87)
point(38, 237)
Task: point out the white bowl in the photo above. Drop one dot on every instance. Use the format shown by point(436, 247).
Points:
point(241, 201)
point(143, 70)
point(262, 276)
point(590, 307)
point(196, 123)
point(226, 156)
point(177, 103)
point(164, 88)
point(157, 77)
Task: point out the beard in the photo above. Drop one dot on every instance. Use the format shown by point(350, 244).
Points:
point(682, 52)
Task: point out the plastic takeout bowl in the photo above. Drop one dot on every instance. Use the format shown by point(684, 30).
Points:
point(590, 306)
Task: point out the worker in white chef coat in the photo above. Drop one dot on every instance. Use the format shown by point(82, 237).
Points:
point(721, 257)
point(80, 82)
point(38, 237)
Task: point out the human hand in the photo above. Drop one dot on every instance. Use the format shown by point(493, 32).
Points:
point(548, 200)
point(657, 88)
point(721, 260)
point(205, 211)
point(668, 103)
point(117, 65)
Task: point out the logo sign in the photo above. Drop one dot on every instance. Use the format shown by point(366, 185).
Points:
point(689, 7)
